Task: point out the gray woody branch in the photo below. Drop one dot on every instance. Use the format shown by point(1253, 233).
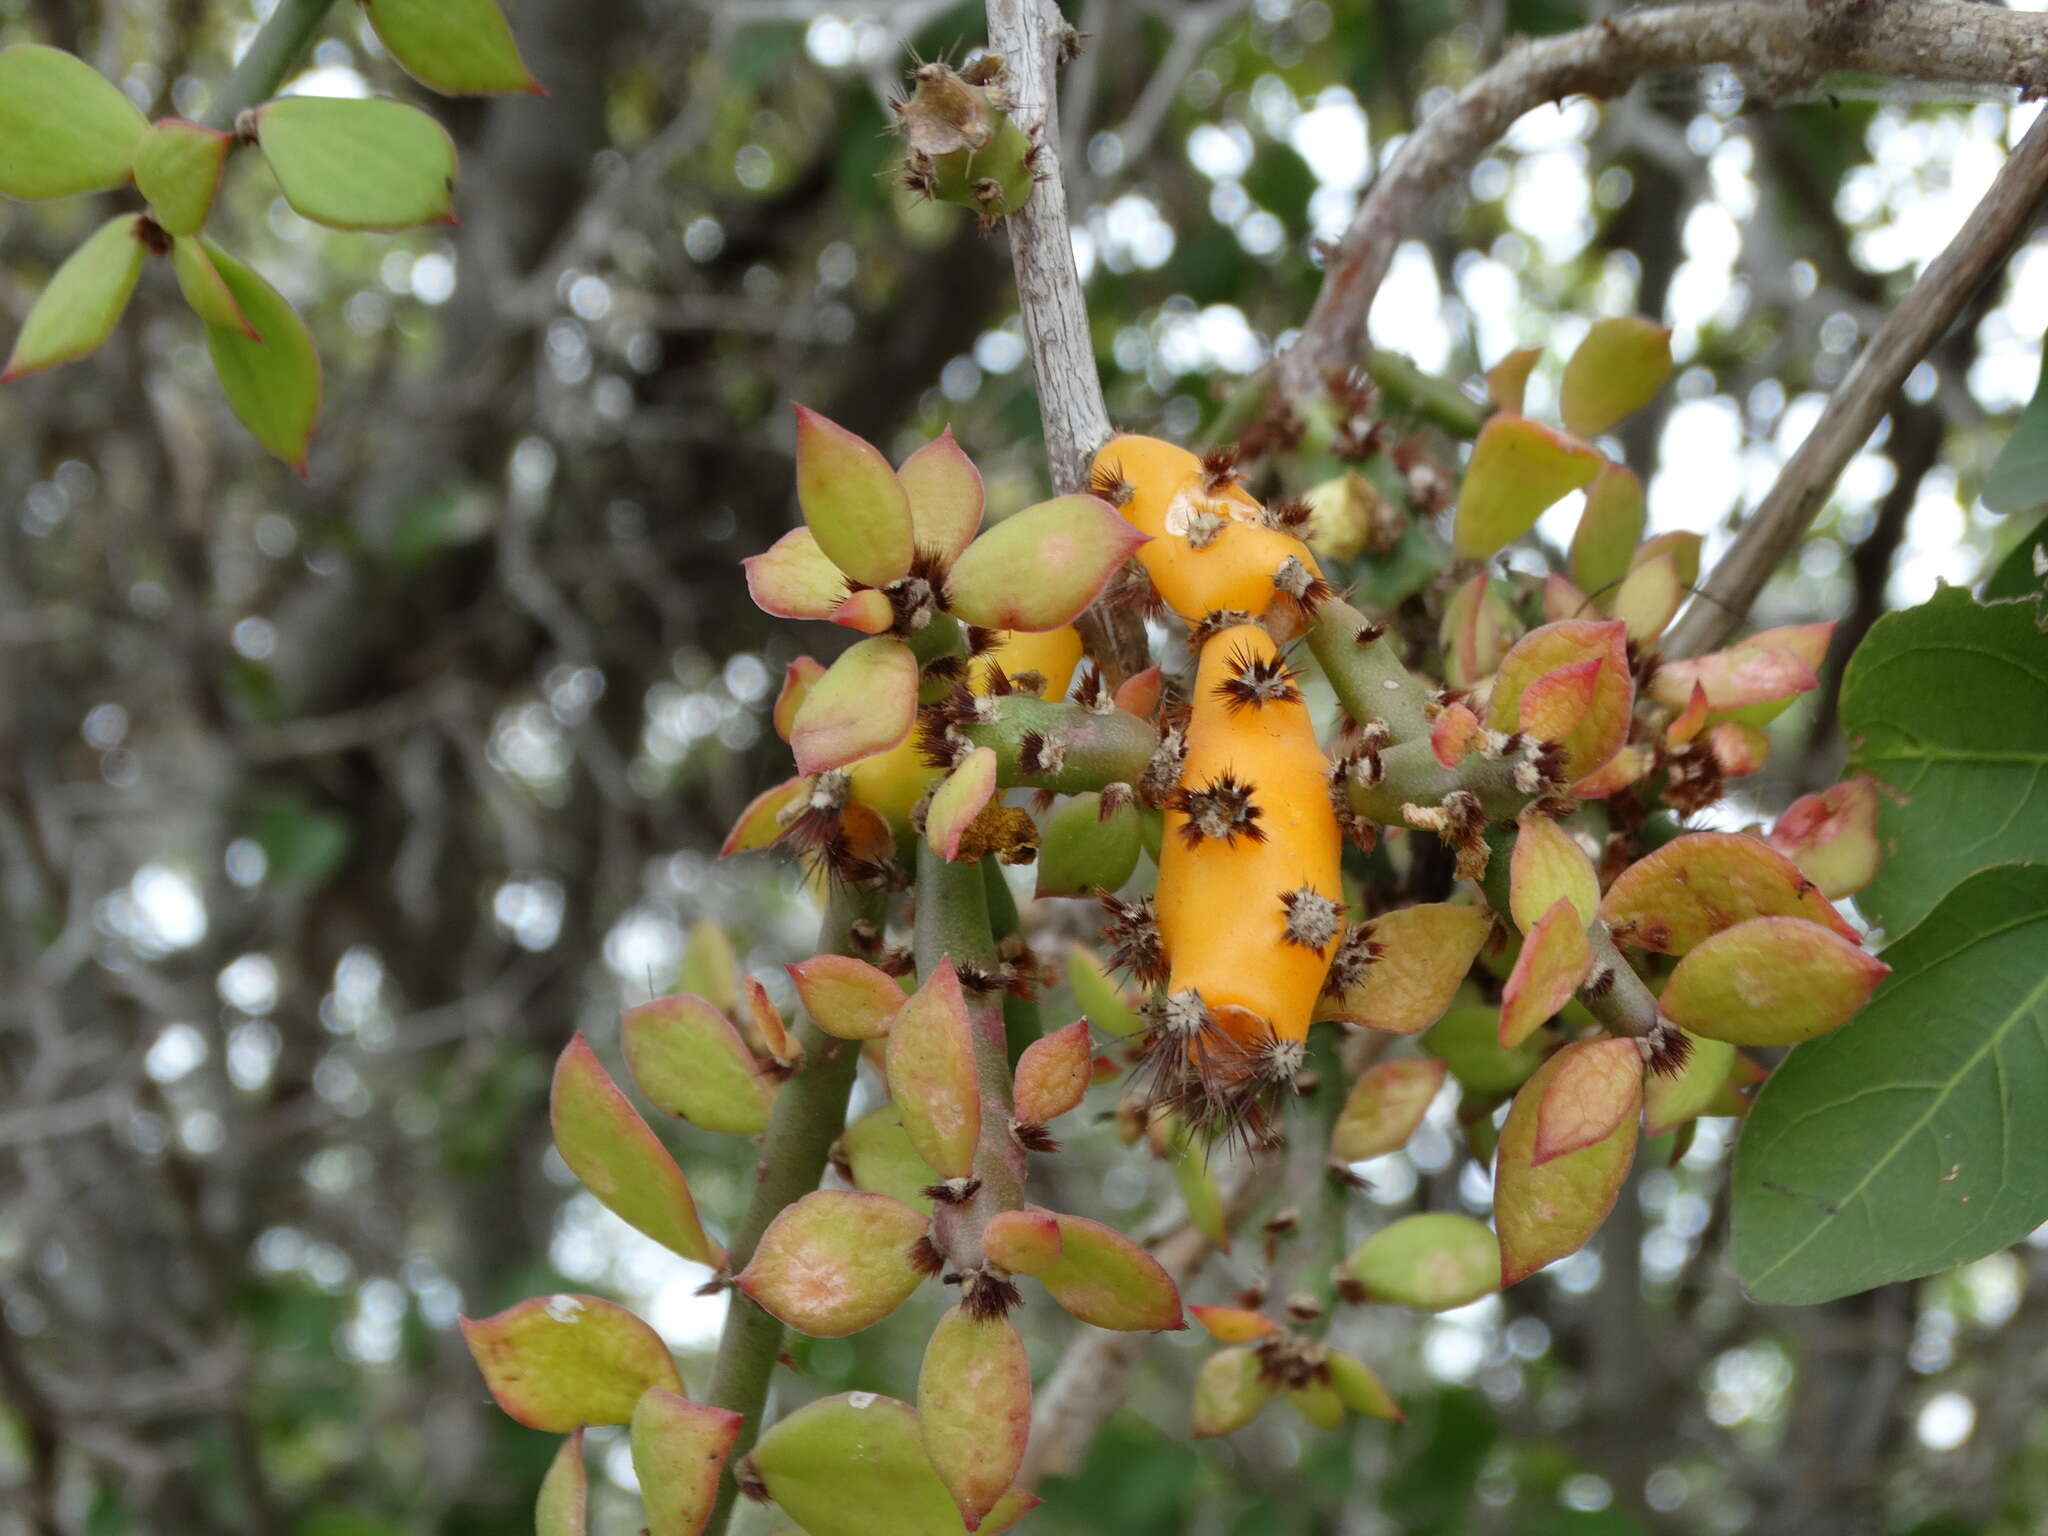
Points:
point(1788, 46)
point(1853, 410)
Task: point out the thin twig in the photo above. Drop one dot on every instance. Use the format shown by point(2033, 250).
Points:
point(1854, 409)
point(1787, 47)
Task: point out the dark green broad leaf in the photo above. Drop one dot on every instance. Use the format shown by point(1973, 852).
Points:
point(84, 300)
point(2018, 481)
point(2024, 570)
point(457, 47)
point(1908, 1140)
point(356, 164)
point(1947, 704)
point(273, 384)
point(177, 167)
point(64, 128)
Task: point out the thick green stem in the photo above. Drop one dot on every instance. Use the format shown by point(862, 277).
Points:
point(953, 923)
point(1411, 775)
point(1079, 748)
point(810, 1112)
point(1369, 679)
point(1021, 1021)
point(1624, 1005)
point(275, 51)
point(1408, 387)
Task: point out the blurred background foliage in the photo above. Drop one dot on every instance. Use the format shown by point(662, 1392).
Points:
point(327, 810)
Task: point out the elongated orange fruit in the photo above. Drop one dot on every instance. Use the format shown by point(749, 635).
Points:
point(1249, 895)
point(1211, 550)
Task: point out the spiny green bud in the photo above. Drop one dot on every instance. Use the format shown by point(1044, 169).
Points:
point(961, 145)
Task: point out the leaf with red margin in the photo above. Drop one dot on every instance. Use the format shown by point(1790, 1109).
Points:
point(1042, 567)
point(690, 1061)
point(1386, 1104)
point(964, 795)
point(1105, 1279)
point(1023, 1242)
point(1424, 951)
point(1054, 1072)
point(865, 703)
point(1703, 882)
point(768, 1026)
point(931, 1074)
point(1548, 864)
point(1233, 1325)
point(559, 1362)
point(679, 1450)
point(1739, 750)
point(1519, 470)
point(945, 495)
point(1433, 1261)
point(1541, 1213)
point(1596, 732)
point(855, 1465)
point(1359, 1390)
point(563, 1508)
point(1688, 723)
point(793, 579)
point(835, 1262)
point(761, 825)
point(1555, 958)
point(867, 611)
point(619, 1160)
point(1453, 735)
point(798, 678)
point(852, 501)
point(974, 1406)
point(1759, 676)
point(846, 997)
point(1477, 629)
point(1770, 981)
point(1832, 836)
point(1597, 1085)
point(1562, 600)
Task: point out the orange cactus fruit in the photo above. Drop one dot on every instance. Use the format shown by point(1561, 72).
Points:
point(1250, 899)
point(1213, 547)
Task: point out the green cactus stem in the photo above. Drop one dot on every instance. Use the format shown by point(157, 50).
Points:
point(1359, 659)
point(810, 1112)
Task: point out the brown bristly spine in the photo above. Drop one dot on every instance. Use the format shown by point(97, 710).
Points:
point(1210, 625)
point(952, 1191)
point(1351, 961)
point(1312, 919)
point(1666, 1048)
point(925, 1257)
point(1033, 1137)
point(986, 1295)
point(1294, 579)
point(1256, 681)
point(1107, 481)
point(1132, 935)
point(1289, 515)
point(1220, 811)
point(1219, 469)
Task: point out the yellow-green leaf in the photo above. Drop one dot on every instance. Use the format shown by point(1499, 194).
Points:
point(1543, 1212)
point(177, 167)
point(64, 128)
point(359, 164)
point(560, 1362)
point(83, 301)
point(1423, 952)
point(456, 47)
point(1433, 1261)
point(1555, 958)
point(273, 384)
point(563, 1506)
point(835, 1262)
point(974, 1406)
point(1770, 981)
point(689, 1060)
point(679, 1450)
point(205, 290)
point(1519, 470)
point(1615, 372)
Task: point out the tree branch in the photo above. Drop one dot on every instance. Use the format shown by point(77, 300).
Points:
point(1854, 409)
point(1789, 47)
point(1029, 35)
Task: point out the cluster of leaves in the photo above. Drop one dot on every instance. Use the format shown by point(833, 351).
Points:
point(1605, 972)
point(348, 164)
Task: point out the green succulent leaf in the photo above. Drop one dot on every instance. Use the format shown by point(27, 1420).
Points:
point(1906, 1141)
point(177, 167)
point(205, 290)
point(563, 1508)
point(456, 47)
point(84, 300)
point(64, 127)
point(354, 164)
point(273, 384)
point(560, 1362)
